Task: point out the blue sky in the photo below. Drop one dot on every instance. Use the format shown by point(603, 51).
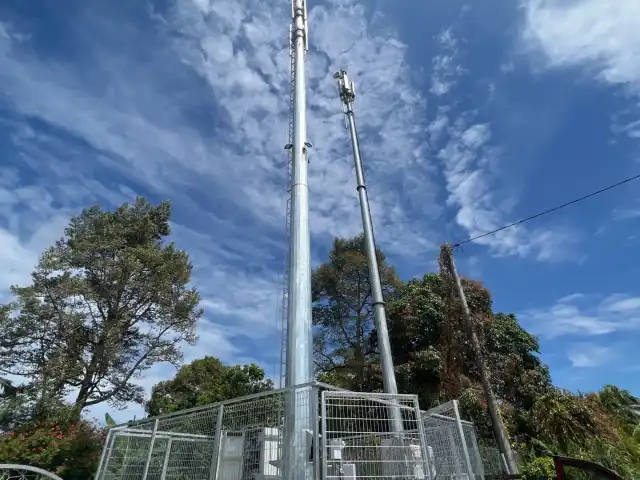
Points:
point(471, 114)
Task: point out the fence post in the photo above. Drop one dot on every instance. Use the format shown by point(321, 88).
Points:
point(145, 473)
point(426, 462)
point(465, 450)
point(315, 444)
point(476, 451)
point(217, 444)
point(165, 464)
point(323, 435)
point(106, 455)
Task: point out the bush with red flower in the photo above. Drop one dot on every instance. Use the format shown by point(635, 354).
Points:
point(71, 450)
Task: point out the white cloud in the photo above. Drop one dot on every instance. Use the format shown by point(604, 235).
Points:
point(588, 355)
point(585, 315)
point(471, 160)
point(198, 112)
point(254, 84)
point(621, 304)
point(240, 51)
point(628, 213)
point(446, 69)
point(599, 34)
point(32, 224)
point(139, 129)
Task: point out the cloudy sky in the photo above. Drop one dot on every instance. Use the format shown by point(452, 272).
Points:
point(472, 115)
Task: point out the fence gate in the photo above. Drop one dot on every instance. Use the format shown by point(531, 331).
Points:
point(359, 441)
point(138, 455)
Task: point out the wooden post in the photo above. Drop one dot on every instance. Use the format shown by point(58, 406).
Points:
point(446, 258)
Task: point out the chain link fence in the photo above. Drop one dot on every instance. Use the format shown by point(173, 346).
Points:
point(314, 431)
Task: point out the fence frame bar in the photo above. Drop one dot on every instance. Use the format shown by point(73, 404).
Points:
point(426, 465)
point(165, 464)
point(145, 473)
point(217, 443)
point(324, 455)
point(106, 454)
point(465, 451)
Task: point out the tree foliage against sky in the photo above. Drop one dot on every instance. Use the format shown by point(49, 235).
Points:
point(107, 301)
point(433, 359)
point(343, 314)
point(111, 299)
point(206, 381)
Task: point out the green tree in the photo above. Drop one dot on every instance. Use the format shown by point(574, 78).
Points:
point(344, 350)
point(431, 351)
point(417, 318)
point(433, 359)
point(583, 426)
point(27, 407)
point(107, 301)
point(206, 381)
point(518, 376)
point(622, 405)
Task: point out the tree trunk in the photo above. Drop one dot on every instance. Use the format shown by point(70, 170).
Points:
point(78, 406)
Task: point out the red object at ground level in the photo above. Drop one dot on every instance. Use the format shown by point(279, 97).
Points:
point(598, 471)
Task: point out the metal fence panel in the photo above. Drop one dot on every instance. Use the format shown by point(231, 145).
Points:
point(475, 457)
point(11, 471)
point(240, 439)
point(129, 455)
point(446, 444)
point(346, 435)
point(491, 460)
point(171, 447)
point(359, 441)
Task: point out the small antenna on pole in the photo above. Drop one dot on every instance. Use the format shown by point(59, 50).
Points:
point(347, 90)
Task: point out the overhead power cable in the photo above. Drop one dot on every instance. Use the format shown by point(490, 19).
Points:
point(551, 210)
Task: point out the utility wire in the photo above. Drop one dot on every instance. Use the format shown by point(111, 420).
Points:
point(551, 210)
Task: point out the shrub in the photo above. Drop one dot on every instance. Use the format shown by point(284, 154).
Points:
point(538, 468)
point(70, 450)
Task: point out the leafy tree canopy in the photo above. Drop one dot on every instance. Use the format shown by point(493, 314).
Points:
point(107, 301)
point(111, 299)
point(56, 442)
point(206, 381)
point(433, 359)
point(343, 320)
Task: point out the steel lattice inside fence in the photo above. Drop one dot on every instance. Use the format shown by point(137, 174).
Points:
point(351, 436)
